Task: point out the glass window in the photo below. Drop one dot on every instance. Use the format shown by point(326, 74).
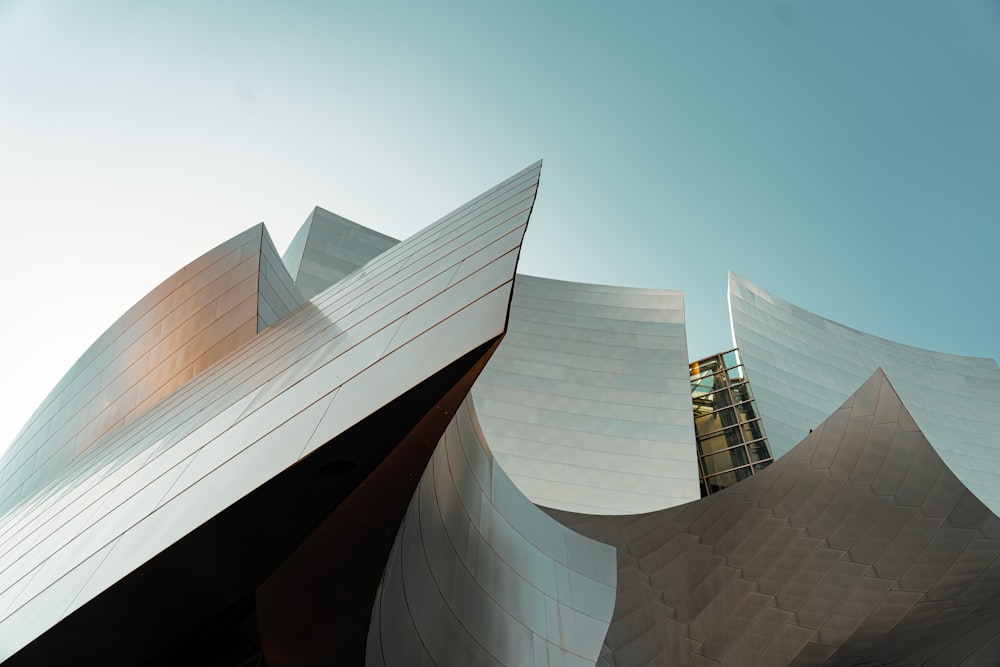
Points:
point(714, 421)
point(725, 460)
point(741, 392)
point(719, 441)
point(759, 451)
point(719, 482)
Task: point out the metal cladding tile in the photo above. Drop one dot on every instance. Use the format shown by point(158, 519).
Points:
point(910, 629)
point(861, 516)
point(782, 569)
point(506, 595)
point(803, 583)
point(805, 487)
point(788, 643)
point(759, 635)
point(648, 537)
point(853, 443)
point(825, 491)
point(944, 494)
point(969, 512)
point(697, 660)
point(813, 653)
point(975, 570)
point(730, 627)
point(787, 477)
point(924, 470)
point(839, 507)
point(746, 550)
point(722, 587)
point(879, 535)
point(939, 554)
point(693, 563)
point(912, 539)
point(224, 384)
point(889, 407)
point(825, 599)
point(735, 594)
point(771, 551)
point(858, 603)
point(803, 366)
point(732, 510)
point(873, 455)
point(901, 453)
point(565, 339)
point(830, 438)
point(730, 542)
point(646, 648)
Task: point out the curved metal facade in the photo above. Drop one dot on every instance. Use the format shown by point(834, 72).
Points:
point(264, 411)
point(858, 547)
point(196, 317)
point(587, 402)
point(802, 366)
point(480, 576)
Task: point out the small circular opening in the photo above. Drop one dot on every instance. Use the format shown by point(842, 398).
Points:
point(337, 468)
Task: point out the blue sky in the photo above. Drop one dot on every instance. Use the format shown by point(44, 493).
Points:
point(844, 155)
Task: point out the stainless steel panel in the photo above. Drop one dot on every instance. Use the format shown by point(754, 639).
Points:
point(571, 378)
point(207, 443)
point(798, 565)
point(803, 366)
point(516, 589)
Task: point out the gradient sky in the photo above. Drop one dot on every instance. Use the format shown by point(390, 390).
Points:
point(844, 155)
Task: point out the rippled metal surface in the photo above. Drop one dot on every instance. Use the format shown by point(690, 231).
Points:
point(802, 366)
point(480, 576)
point(263, 407)
point(858, 547)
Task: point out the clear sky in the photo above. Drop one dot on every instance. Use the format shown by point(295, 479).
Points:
point(844, 155)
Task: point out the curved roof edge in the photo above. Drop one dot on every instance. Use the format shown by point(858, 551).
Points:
point(196, 317)
point(802, 366)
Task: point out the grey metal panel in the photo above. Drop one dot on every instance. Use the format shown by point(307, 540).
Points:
point(267, 404)
point(328, 247)
point(479, 575)
point(587, 402)
point(801, 565)
point(190, 321)
point(802, 366)
point(583, 368)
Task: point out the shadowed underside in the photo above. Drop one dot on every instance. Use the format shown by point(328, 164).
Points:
point(859, 546)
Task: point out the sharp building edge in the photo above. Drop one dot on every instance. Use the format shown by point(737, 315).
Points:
point(382, 452)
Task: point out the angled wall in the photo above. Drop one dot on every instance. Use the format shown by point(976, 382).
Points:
point(328, 247)
point(480, 576)
point(269, 407)
point(857, 547)
point(802, 366)
point(587, 402)
point(196, 317)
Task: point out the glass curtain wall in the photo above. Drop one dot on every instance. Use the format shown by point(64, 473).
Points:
point(731, 441)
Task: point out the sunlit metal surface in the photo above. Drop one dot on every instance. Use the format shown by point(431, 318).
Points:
point(328, 247)
point(196, 317)
point(858, 547)
point(587, 403)
point(266, 405)
point(802, 366)
point(480, 576)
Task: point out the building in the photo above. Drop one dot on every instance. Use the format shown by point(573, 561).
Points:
point(393, 453)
